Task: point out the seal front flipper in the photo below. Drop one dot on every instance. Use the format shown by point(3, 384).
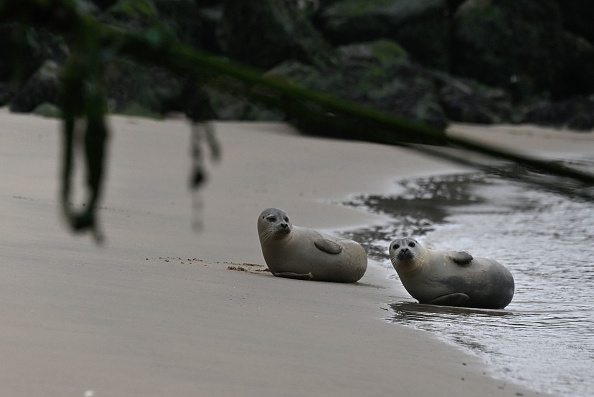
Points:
point(297, 276)
point(456, 299)
point(328, 246)
point(461, 257)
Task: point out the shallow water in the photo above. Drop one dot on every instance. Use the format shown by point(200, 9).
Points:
point(545, 338)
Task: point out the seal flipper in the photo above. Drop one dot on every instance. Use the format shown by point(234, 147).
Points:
point(328, 246)
point(456, 299)
point(461, 257)
point(297, 276)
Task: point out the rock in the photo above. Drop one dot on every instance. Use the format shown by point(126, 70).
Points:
point(4, 94)
point(228, 107)
point(48, 110)
point(24, 50)
point(421, 27)
point(192, 25)
point(42, 87)
point(517, 45)
point(574, 113)
point(265, 33)
point(577, 69)
point(104, 4)
point(142, 87)
point(578, 16)
point(471, 102)
point(378, 74)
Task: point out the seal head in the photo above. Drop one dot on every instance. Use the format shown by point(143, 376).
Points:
point(274, 223)
point(404, 249)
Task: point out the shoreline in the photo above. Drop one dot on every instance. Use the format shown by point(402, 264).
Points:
point(157, 311)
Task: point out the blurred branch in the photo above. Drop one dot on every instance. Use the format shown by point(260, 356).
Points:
point(93, 45)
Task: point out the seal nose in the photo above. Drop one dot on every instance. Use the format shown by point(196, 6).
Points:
point(284, 225)
point(404, 249)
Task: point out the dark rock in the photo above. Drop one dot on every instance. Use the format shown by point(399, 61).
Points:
point(453, 6)
point(583, 121)
point(42, 87)
point(151, 91)
point(133, 86)
point(471, 102)
point(192, 23)
point(517, 45)
point(133, 13)
point(7, 61)
point(378, 74)
point(228, 107)
point(578, 16)
point(4, 94)
point(23, 50)
point(576, 72)
point(267, 32)
point(421, 26)
point(104, 4)
point(574, 113)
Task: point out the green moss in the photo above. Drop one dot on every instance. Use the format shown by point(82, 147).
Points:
point(387, 51)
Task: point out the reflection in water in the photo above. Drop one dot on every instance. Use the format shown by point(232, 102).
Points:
point(419, 312)
point(545, 337)
point(416, 212)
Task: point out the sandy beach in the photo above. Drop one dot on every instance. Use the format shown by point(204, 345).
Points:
point(161, 310)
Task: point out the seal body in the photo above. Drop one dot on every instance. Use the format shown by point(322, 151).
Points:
point(451, 278)
point(297, 252)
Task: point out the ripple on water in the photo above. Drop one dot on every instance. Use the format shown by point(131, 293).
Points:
point(545, 337)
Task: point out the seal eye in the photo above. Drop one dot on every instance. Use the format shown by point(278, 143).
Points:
point(395, 246)
point(286, 219)
point(271, 219)
point(411, 244)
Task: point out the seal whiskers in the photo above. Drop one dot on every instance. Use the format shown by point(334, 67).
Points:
point(265, 236)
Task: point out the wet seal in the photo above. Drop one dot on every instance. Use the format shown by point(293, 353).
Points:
point(297, 252)
point(451, 278)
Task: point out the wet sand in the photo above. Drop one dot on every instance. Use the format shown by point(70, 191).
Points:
point(162, 310)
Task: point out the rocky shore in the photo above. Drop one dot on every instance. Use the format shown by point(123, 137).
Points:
point(437, 61)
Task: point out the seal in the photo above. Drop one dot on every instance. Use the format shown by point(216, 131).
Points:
point(297, 252)
point(451, 278)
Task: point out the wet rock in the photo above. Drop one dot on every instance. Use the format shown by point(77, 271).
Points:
point(192, 23)
point(378, 74)
point(517, 45)
point(578, 16)
point(42, 87)
point(4, 94)
point(24, 50)
point(471, 102)
point(104, 4)
point(577, 68)
point(420, 26)
point(137, 89)
point(574, 113)
point(267, 32)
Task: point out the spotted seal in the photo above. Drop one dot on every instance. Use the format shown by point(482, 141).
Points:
point(297, 252)
point(451, 278)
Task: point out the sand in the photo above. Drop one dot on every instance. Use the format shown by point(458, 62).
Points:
point(161, 310)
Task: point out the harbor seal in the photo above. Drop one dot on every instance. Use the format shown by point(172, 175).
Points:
point(297, 252)
point(451, 278)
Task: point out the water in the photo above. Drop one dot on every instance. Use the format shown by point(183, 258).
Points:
point(545, 338)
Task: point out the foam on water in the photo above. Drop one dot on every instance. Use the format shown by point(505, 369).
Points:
point(545, 338)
